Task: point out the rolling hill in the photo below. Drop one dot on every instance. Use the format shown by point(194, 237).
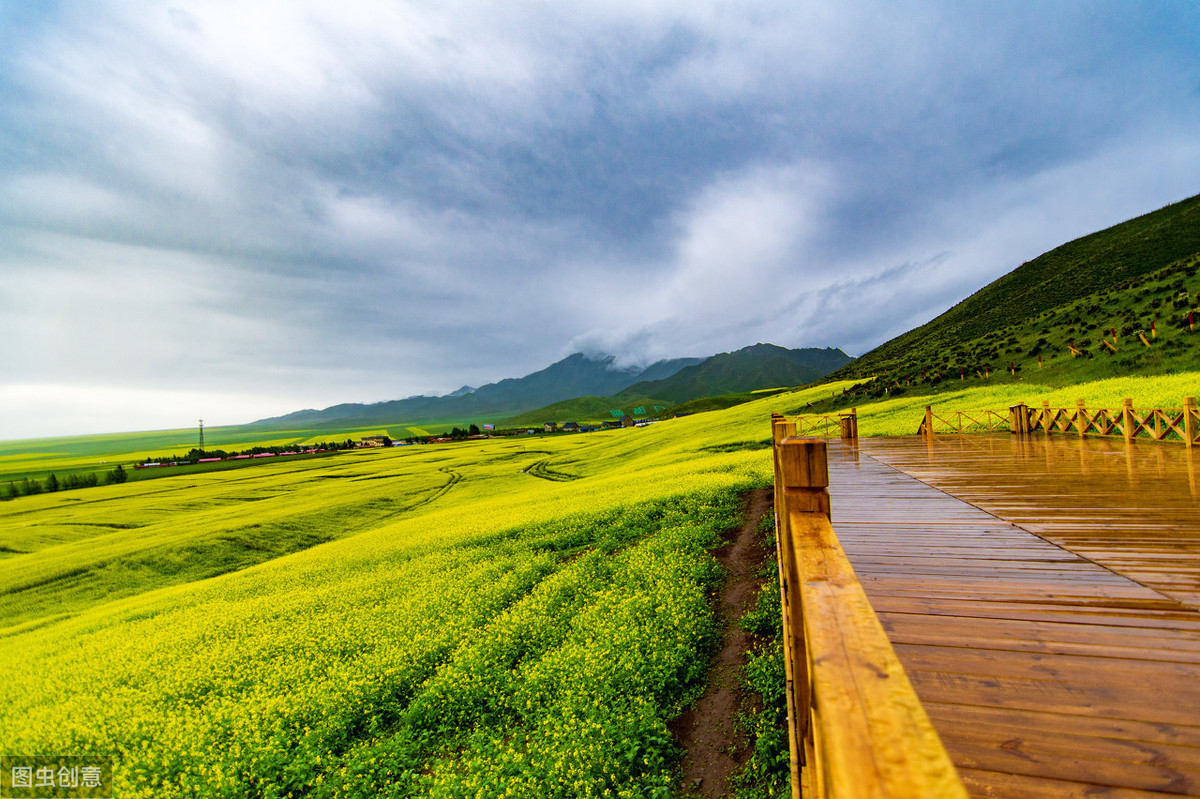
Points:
point(1131, 277)
point(748, 369)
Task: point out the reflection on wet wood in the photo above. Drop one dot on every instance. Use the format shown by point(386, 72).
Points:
point(1044, 599)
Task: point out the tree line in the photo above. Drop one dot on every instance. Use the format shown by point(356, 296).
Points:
point(457, 434)
point(195, 455)
point(26, 487)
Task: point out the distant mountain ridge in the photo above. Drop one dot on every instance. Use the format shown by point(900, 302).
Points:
point(581, 376)
point(576, 375)
point(730, 377)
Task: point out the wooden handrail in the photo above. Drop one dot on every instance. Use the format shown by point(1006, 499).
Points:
point(843, 424)
point(987, 421)
point(854, 721)
point(1127, 422)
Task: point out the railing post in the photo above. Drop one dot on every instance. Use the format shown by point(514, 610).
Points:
point(804, 464)
point(1018, 419)
point(1127, 418)
point(848, 423)
point(1189, 421)
point(1080, 416)
point(928, 424)
point(1046, 423)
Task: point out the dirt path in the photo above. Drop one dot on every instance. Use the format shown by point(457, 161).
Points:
point(713, 748)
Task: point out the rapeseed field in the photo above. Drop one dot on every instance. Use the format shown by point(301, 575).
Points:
point(419, 621)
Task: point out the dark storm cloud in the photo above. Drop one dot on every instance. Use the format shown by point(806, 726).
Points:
point(309, 203)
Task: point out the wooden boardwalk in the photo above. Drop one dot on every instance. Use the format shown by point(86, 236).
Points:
point(1049, 619)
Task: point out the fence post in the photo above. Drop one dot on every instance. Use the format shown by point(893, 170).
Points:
point(1046, 423)
point(928, 425)
point(1080, 416)
point(804, 464)
point(1189, 421)
point(1018, 419)
point(848, 423)
point(1127, 418)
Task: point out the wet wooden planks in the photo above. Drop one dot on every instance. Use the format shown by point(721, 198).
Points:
point(1130, 507)
point(1046, 672)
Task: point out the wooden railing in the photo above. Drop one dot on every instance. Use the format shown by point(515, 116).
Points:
point(844, 425)
point(963, 422)
point(1156, 424)
point(856, 727)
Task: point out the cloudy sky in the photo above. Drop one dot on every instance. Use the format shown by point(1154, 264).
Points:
point(230, 210)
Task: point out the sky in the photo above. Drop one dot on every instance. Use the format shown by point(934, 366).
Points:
point(233, 210)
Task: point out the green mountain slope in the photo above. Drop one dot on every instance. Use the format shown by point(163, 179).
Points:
point(1106, 277)
point(718, 382)
point(748, 369)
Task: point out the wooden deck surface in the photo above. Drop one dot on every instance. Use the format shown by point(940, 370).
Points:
point(1052, 632)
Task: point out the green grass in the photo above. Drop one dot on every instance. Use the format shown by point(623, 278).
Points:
point(931, 370)
point(1125, 277)
point(588, 410)
point(723, 401)
point(763, 715)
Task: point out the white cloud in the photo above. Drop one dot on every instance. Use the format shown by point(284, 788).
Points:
point(734, 248)
point(386, 198)
point(56, 409)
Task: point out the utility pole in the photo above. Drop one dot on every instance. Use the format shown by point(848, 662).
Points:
point(201, 435)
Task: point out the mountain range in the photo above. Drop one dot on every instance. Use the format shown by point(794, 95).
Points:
point(578, 375)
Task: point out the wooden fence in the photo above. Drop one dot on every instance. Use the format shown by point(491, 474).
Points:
point(1156, 424)
point(856, 727)
point(963, 422)
point(844, 425)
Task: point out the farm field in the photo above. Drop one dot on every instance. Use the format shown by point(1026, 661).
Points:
point(446, 618)
point(42, 456)
point(436, 620)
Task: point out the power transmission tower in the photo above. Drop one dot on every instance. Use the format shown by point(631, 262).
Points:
point(201, 435)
